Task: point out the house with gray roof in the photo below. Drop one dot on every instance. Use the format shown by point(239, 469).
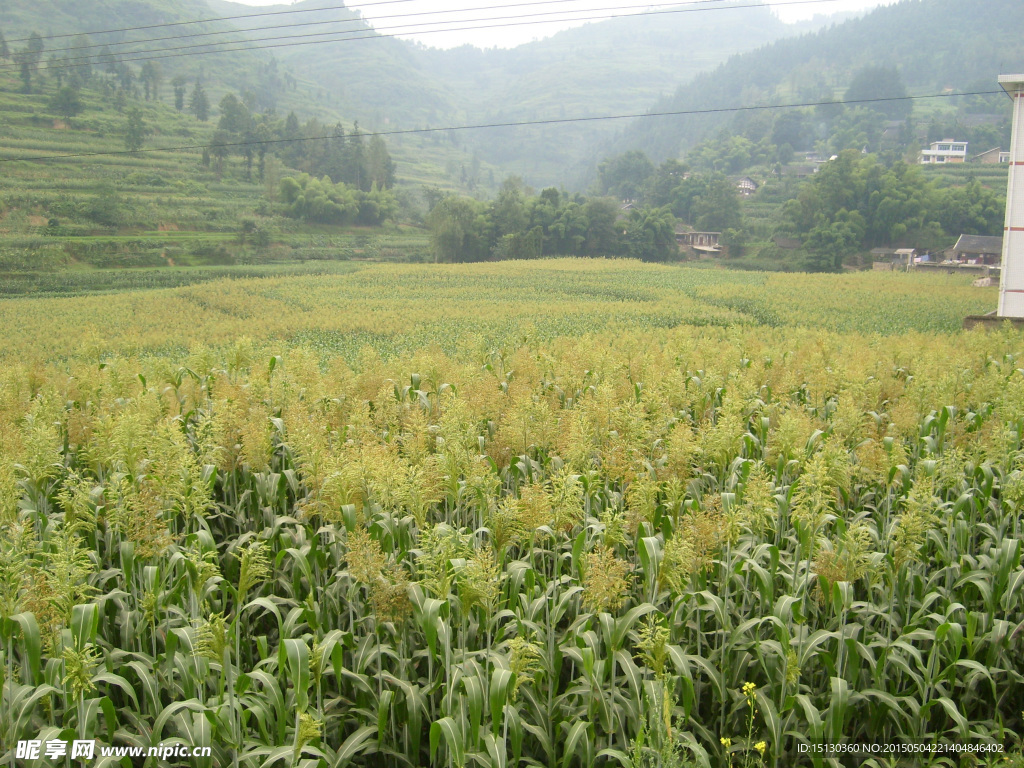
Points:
point(978, 249)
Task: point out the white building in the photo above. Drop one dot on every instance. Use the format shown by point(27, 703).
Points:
point(945, 151)
point(1011, 285)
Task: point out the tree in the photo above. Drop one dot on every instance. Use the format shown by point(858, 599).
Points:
point(602, 234)
point(624, 176)
point(379, 164)
point(790, 128)
point(220, 150)
point(456, 229)
point(355, 160)
point(668, 176)
point(151, 77)
point(234, 116)
point(709, 202)
point(66, 103)
point(106, 207)
point(508, 214)
point(5, 52)
point(80, 72)
point(650, 234)
point(178, 84)
point(199, 103)
point(829, 242)
point(135, 131)
point(877, 82)
point(28, 59)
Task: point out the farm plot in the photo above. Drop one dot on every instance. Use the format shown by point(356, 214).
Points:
point(614, 537)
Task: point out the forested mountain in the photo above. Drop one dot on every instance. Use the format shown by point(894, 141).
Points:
point(614, 66)
point(934, 45)
point(74, 36)
point(610, 67)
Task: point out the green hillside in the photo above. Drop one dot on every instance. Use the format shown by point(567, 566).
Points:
point(934, 45)
point(610, 67)
point(97, 206)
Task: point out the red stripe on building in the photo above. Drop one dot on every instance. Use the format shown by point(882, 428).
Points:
point(1013, 229)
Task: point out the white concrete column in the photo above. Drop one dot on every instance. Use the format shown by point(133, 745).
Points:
point(1011, 280)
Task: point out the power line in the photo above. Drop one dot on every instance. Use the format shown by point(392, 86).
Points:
point(675, 7)
point(193, 35)
point(206, 21)
point(552, 121)
point(376, 35)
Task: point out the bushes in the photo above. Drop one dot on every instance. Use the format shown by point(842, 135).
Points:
point(324, 202)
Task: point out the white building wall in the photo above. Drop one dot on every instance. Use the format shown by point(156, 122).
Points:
point(1011, 284)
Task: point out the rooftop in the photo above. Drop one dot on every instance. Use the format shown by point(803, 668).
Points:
point(1012, 83)
point(978, 244)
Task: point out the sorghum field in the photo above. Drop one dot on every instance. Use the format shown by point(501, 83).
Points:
point(558, 513)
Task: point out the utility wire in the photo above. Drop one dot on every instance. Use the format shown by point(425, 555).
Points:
point(676, 7)
point(263, 28)
point(376, 35)
point(207, 21)
point(553, 121)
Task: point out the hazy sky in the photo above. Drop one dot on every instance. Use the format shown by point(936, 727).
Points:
point(545, 17)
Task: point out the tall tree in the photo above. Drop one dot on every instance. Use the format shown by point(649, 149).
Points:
point(66, 103)
point(220, 150)
point(456, 229)
point(151, 77)
point(624, 176)
point(234, 116)
point(876, 82)
point(355, 160)
point(135, 131)
point(379, 163)
point(80, 73)
point(28, 59)
point(199, 103)
point(178, 84)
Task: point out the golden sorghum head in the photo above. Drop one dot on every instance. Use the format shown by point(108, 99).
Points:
point(389, 595)
point(480, 580)
point(365, 558)
point(605, 580)
point(535, 507)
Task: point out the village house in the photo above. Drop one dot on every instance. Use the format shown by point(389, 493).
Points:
point(992, 156)
point(945, 151)
point(904, 256)
point(747, 186)
point(704, 243)
point(978, 249)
